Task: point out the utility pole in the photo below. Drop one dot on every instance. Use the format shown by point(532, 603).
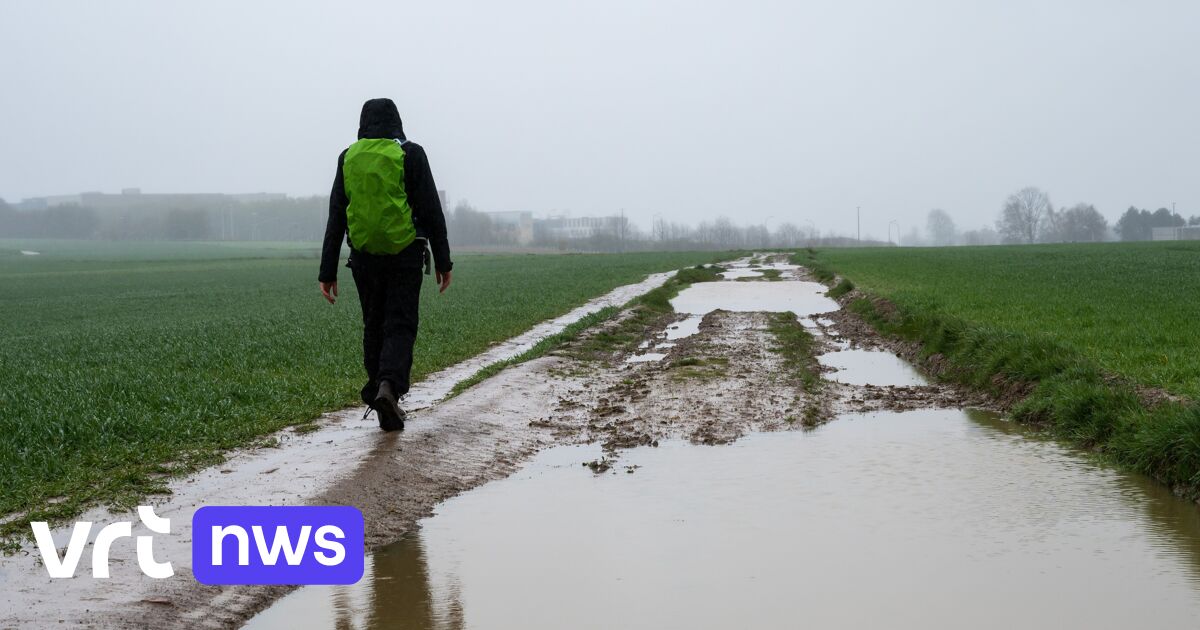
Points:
point(858, 214)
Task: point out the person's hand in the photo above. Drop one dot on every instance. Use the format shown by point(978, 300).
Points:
point(443, 280)
point(329, 290)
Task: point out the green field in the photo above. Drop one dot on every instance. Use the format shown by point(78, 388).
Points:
point(124, 363)
point(1095, 330)
point(1134, 308)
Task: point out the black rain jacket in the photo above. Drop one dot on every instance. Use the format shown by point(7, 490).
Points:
point(381, 119)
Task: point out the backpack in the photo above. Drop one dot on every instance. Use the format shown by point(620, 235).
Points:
point(378, 217)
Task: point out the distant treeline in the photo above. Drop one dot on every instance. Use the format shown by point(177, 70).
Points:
point(470, 227)
point(1028, 216)
point(1138, 225)
point(288, 219)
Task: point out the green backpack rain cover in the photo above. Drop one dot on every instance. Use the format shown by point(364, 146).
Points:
point(379, 218)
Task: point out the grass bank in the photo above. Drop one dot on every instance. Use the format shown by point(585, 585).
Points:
point(1098, 339)
point(127, 363)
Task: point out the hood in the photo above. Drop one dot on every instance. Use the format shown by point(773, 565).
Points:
point(380, 119)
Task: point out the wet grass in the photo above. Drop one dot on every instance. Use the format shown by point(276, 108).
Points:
point(644, 312)
point(701, 368)
point(798, 349)
point(841, 288)
point(540, 349)
point(126, 364)
point(1099, 339)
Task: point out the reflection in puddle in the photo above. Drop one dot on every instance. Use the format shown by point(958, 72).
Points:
point(802, 298)
point(645, 358)
point(745, 272)
point(870, 367)
point(925, 519)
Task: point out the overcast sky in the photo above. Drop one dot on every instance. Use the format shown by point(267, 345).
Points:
point(759, 111)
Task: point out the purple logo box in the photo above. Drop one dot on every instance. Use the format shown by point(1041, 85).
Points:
point(261, 544)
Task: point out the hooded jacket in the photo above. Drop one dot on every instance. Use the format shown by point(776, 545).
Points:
point(381, 119)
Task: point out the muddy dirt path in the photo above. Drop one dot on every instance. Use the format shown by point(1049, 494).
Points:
point(707, 375)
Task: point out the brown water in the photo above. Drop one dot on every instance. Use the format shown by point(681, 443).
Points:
point(925, 519)
point(870, 367)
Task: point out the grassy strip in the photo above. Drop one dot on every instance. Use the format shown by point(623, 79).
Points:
point(841, 288)
point(797, 347)
point(540, 349)
point(1065, 392)
point(816, 267)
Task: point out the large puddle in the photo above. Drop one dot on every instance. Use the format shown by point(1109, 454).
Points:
point(924, 519)
point(802, 298)
point(870, 367)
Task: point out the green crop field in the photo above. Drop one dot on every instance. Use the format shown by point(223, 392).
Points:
point(124, 363)
point(1095, 334)
point(1134, 308)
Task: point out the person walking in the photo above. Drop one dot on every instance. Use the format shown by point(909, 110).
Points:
point(385, 205)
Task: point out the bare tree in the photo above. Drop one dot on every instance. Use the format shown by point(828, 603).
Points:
point(726, 234)
point(756, 236)
point(940, 228)
point(1081, 224)
point(788, 235)
point(1023, 215)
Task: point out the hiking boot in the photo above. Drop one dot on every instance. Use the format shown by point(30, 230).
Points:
point(391, 417)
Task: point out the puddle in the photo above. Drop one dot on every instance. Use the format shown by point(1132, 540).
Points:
point(802, 298)
point(745, 272)
point(870, 367)
point(925, 519)
point(685, 328)
point(646, 358)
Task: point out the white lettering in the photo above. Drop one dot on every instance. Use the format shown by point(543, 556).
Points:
point(218, 535)
point(64, 567)
point(338, 549)
point(282, 540)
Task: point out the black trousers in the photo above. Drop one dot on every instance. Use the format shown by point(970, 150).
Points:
point(389, 297)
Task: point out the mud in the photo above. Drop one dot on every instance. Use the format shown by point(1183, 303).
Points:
point(710, 376)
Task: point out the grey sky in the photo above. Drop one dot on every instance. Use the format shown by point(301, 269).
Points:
point(753, 110)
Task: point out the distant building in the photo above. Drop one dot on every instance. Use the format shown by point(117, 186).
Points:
point(573, 228)
point(519, 222)
point(1186, 233)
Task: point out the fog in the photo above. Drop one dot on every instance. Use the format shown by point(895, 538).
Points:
point(763, 112)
